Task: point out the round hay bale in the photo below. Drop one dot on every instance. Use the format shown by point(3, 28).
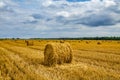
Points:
point(29, 43)
point(57, 53)
point(98, 43)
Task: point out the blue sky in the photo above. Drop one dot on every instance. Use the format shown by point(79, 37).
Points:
point(59, 18)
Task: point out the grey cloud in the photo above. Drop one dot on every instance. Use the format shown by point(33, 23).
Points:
point(91, 20)
point(29, 17)
point(96, 20)
point(30, 22)
point(38, 16)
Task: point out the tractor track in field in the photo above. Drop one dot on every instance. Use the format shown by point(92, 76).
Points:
point(100, 51)
point(92, 61)
point(31, 47)
point(97, 65)
point(82, 55)
point(92, 58)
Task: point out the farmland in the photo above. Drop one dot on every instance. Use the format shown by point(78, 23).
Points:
point(92, 60)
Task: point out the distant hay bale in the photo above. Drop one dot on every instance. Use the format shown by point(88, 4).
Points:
point(56, 41)
point(62, 41)
point(98, 43)
point(118, 42)
point(29, 43)
point(87, 42)
point(57, 53)
point(47, 41)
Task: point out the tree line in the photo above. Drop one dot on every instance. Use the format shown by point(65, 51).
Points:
point(78, 38)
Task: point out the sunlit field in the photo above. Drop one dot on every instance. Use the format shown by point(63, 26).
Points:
point(92, 60)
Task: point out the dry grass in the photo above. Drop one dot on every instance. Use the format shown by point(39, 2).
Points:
point(91, 61)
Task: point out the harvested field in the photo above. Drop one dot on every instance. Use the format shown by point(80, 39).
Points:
point(92, 60)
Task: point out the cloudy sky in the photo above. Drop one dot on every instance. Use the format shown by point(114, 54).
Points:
point(59, 18)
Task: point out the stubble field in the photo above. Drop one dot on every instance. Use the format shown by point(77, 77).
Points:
point(92, 60)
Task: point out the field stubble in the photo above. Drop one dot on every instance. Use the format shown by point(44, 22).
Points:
point(91, 61)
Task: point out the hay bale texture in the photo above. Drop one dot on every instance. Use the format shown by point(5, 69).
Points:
point(29, 43)
point(57, 53)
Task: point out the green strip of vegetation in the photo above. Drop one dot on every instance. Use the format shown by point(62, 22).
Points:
point(79, 38)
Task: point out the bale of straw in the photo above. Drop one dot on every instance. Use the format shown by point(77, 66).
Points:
point(62, 41)
point(29, 43)
point(57, 53)
point(98, 43)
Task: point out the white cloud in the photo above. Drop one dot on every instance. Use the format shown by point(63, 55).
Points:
point(90, 18)
point(47, 3)
point(42, 28)
point(63, 13)
point(109, 3)
point(2, 4)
